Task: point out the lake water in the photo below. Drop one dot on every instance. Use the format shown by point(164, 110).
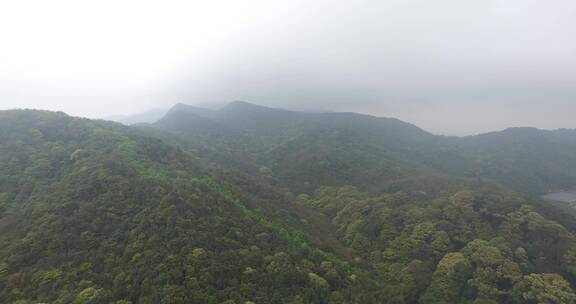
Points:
point(562, 196)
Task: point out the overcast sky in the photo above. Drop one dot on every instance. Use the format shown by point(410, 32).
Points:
point(449, 66)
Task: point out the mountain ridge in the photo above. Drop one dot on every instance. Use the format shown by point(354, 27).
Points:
point(271, 137)
point(249, 105)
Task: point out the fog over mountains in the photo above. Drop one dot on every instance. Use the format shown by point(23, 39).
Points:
point(445, 66)
point(288, 152)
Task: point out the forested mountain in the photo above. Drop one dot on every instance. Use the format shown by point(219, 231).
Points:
point(526, 159)
point(92, 213)
point(306, 150)
point(249, 204)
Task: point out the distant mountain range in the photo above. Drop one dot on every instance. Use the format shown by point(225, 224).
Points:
point(149, 116)
point(367, 151)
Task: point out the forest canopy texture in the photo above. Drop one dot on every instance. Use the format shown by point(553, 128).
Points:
point(249, 204)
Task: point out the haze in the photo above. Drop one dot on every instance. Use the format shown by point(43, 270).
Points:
point(449, 66)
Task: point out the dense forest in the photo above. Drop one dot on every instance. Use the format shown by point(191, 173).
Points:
point(305, 150)
point(249, 204)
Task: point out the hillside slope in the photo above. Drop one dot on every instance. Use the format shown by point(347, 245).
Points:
point(527, 159)
point(93, 213)
point(302, 151)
